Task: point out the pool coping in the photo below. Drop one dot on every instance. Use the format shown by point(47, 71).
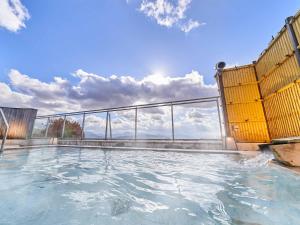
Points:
point(236, 152)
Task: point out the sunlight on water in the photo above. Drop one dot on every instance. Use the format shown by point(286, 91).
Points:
point(72, 186)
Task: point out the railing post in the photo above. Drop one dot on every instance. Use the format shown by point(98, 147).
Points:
point(31, 135)
point(220, 122)
point(47, 127)
point(106, 125)
point(135, 124)
point(110, 132)
point(6, 130)
point(83, 124)
point(63, 128)
point(172, 120)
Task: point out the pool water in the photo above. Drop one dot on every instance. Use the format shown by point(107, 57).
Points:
point(68, 186)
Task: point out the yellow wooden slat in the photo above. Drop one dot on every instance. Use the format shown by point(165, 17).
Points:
point(244, 105)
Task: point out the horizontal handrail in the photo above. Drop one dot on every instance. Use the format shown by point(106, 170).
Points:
point(108, 128)
point(6, 130)
point(122, 108)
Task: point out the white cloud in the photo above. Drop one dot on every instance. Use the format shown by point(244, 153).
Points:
point(13, 15)
point(11, 98)
point(95, 91)
point(92, 91)
point(169, 14)
point(190, 25)
point(47, 97)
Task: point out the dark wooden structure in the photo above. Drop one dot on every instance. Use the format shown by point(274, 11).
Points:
point(20, 120)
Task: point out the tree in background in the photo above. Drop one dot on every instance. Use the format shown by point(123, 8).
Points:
point(73, 129)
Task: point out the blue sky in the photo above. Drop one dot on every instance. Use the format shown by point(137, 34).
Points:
point(113, 37)
point(73, 55)
point(152, 54)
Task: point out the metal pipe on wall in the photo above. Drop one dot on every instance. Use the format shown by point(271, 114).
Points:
point(293, 37)
point(220, 67)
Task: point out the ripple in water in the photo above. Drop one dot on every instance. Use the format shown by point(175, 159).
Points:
point(72, 186)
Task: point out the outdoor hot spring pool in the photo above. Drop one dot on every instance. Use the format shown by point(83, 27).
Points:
point(89, 187)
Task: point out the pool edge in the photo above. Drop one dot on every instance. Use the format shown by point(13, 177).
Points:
point(135, 149)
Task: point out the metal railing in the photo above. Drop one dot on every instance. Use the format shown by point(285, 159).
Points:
point(135, 108)
point(6, 130)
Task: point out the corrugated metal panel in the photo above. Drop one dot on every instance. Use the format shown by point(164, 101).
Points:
point(283, 112)
point(244, 107)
